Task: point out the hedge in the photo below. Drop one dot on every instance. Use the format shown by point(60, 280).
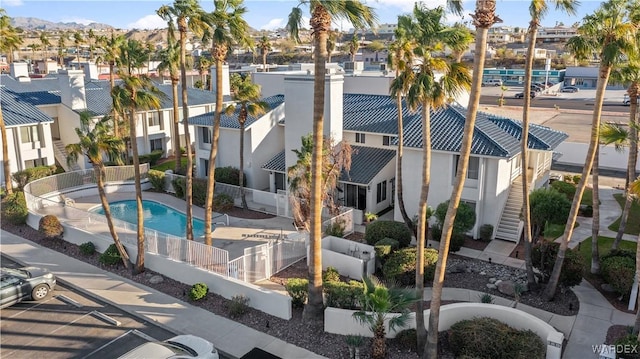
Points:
point(544, 256)
point(401, 266)
point(379, 230)
point(31, 174)
point(151, 158)
point(619, 272)
point(14, 208)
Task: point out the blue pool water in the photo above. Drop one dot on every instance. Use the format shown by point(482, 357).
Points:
point(156, 216)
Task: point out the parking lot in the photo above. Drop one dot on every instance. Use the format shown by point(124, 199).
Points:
point(69, 324)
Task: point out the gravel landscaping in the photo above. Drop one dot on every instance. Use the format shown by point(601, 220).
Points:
point(473, 274)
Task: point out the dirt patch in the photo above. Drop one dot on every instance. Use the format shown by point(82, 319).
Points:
point(616, 332)
point(247, 214)
point(475, 244)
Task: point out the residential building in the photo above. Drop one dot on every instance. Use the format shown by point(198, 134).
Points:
point(555, 34)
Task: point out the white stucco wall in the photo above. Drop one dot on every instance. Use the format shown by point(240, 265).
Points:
point(371, 140)
point(370, 85)
point(575, 153)
point(266, 139)
point(386, 174)
point(11, 145)
point(20, 152)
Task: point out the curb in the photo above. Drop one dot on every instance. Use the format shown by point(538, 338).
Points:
point(109, 302)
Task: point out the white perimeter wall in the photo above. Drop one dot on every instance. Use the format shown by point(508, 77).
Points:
point(575, 153)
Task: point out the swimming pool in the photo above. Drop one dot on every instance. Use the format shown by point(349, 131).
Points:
point(157, 216)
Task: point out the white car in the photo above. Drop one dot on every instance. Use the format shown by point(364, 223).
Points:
point(181, 346)
point(627, 101)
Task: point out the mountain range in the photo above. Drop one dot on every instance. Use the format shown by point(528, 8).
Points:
point(32, 23)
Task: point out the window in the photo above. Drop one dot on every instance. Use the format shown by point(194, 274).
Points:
point(382, 191)
point(156, 145)
point(29, 134)
point(359, 137)
point(35, 163)
point(386, 140)
point(473, 169)
point(154, 118)
point(206, 134)
point(205, 165)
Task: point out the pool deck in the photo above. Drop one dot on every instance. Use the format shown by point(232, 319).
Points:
point(239, 234)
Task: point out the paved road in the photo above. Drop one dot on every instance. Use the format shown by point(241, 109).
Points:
point(56, 328)
point(551, 102)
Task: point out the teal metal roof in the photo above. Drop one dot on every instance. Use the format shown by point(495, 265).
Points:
point(231, 121)
point(19, 109)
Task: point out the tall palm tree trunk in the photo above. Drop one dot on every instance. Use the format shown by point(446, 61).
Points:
point(595, 227)
point(484, 18)
point(112, 83)
point(218, 53)
point(176, 125)
point(264, 61)
point(139, 267)
point(241, 174)
point(524, 149)
point(603, 77)
point(188, 195)
point(399, 184)
point(631, 162)
point(99, 173)
point(321, 25)
point(423, 226)
point(6, 166)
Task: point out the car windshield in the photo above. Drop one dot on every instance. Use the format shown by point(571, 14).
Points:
point(180, 348)
point(16, 272)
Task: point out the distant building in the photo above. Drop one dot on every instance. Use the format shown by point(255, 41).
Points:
point(555, 34)
point(516, 76)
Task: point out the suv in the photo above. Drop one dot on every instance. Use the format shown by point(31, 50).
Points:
point(492, 82)
point(627, 101)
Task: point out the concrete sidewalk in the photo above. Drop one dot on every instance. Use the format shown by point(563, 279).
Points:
point(228, 337)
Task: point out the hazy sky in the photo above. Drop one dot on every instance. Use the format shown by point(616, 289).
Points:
point(262, 14)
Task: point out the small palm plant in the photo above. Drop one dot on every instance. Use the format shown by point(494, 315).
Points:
point(381, 303)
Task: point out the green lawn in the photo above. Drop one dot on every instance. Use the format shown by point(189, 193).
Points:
point(633, 222)
point(553, 231)
point(587, 197)
point(604, 246)
point(169, 165)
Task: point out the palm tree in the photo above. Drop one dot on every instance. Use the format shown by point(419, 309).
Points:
point(136, 92)
point(381, 303)
point(170, 61)
point(400, 58)
point(203, 67)
point(265, 47)
point(427, 92)
point(483, 18)
point(537, 10)
point(227, 27)
point(91, 36)
point(111, 47)
point(322, 14)
point(62, 43)
point(6, 167)
point(629, 74)
point(189, 17)
point(354, 45)
point(331, 43)
point(608, 32)
point(595, 226)
point(634, 188)
point(10, 39)
point(247, 98)
point(96, 142)
point(34, 47)
point(45, 43)
point(77, 40)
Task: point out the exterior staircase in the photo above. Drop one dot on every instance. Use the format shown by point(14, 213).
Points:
point(60, 153)
point(510, 226)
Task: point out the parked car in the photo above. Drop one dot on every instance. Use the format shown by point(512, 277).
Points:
point(627, 100)
point(536, 88)
point(25, 283)
point(492, 82)
point(570, 89)
point(181, 346)
point(532, 94)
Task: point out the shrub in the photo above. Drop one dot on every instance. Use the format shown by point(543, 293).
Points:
point(486, 232)
point(335, 229)
point(222, 202)
point(407, 339)
point(298, 289)
point(238, 306)
point(547, 206)
point(619, 253)
point(386, 246)
point(465, 217)
point(157, 180)
point(199, 191)
point(198, 291)
point(401, 266)
point(457, 241)
point(629, 341)
point(31, 174)
point(14, 208)
point(436, 233)
point(151, 158)
point(87, 248)
point(489, 338)
point(229, 175)
point(50, 226)
point(544, 256)
point(330, 275)
point(576, 178)
point(388, 229)
point(111, 256)
point(586, 211)
point(486, 298)
point(343, 295)
point(567, 189)
point(179, 186)
point(619, 272)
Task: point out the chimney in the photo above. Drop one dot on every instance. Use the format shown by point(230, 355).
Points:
point(72, 91)
point(226, 85)
point(19, 69)
point(298, 109)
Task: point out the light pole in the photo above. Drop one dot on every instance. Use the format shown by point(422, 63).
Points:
point(547, 67)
